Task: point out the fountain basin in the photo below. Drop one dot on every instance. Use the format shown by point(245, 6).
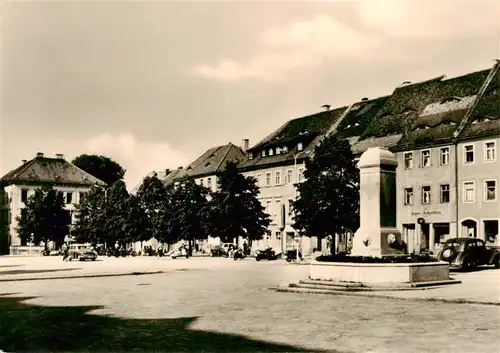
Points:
point(380, 273)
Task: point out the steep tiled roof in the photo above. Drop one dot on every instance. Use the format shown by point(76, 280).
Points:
point(162, 174)
point(485, 118)
point(172, 176)
point(307, 130)
point(49, 170)
point(212, 161)
point(360, 116)
point(402, 109)
point(449, 105)
point(301, 129)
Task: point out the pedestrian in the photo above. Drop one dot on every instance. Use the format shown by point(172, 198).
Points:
point(65, 251)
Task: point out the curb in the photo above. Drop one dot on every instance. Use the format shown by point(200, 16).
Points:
point(384, 296)
point(81, 276)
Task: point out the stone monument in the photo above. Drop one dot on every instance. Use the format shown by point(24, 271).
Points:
point(377, 235)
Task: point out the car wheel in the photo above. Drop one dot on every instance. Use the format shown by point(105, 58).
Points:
point(288, 260)
point(466, 265)
point(257, 259)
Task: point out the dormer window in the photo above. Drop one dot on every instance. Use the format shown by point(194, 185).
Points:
point(250, 155)
point(450, 99)
point(285, 149)
point(300, 147)
point(271, 152)
point(278, 150)
point(263, 153)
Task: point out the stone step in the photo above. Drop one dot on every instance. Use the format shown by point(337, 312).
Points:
point(331, 283)
point(351, 289)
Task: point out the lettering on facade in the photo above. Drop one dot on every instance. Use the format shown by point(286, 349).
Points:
point(426, 213)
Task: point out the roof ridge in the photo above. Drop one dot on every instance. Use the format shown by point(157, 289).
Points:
point(480, 94)
point(224, 158)
point(19, 170)
point(83, 171)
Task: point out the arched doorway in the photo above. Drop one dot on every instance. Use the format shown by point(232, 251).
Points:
point(469, 228)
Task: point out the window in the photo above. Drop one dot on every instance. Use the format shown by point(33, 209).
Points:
point(268, 179)
point(444, 193)
point(290, 207)
point(268, 207)
point(408, 196)
point(209, 183)
point(444, 156)
point(278, 235)
point(408, 160)
point(277, 176)
point(82, 195)
point(201, 182)
point(490, 190)
point(288, 176)
point(285, 149)
point(426, 158)
point(270, 152)
point(69, 197)
point(263, 153)
point(300, 147)
point(60, 194)
point(489, 151)
point(24, 195)
point(469, 191)
point(268, 235)
point(301, 175)
point(259, 179)
point(468, 154)
point(278, 150)
point(278, 214)
point(426, 195)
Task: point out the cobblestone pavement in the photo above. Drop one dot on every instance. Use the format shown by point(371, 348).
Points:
point(229, 296)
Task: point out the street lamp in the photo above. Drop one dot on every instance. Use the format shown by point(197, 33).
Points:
point(295, 156)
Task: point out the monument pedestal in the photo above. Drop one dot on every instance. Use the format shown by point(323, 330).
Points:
point(377, 235)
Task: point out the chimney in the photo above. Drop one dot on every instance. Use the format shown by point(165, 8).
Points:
point(179, 168)
point(167, 171)
point(23, 161)
point(39, 154)
point(364, 99)
point(245, 144)
point(326, 107)
point(59, 156)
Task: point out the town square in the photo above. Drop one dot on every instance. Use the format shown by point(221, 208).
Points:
point(250, 176)
point(230, 306)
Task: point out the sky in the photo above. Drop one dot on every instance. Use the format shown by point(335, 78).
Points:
point(153, 85)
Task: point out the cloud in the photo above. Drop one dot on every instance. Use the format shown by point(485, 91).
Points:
point(372, 33)
point(138, 157)
point(300, 44)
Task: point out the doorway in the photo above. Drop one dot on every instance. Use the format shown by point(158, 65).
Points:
point(469, 228)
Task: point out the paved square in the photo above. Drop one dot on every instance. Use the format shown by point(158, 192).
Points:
point(230, 297)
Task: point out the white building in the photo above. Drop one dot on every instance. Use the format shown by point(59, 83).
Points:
point(19, 184)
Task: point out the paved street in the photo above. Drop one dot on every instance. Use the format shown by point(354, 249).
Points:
point(229, 297)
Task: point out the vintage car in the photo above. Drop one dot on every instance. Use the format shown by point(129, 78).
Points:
point(468, 253)
point(81, 252)
point(222, 250)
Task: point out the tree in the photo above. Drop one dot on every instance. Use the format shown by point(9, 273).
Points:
point(101, 167)
point(186, 212)
point(235, 210)
point(88, 226)
point(136, 223)
point(115, 214)
point(44, 218)
point(153, 198)
point(328, 201)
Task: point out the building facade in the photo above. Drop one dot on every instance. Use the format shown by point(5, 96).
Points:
point(20, 184)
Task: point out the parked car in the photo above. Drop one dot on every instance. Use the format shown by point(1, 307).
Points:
point(222, 249)
point(81, 252)
point(468, 253)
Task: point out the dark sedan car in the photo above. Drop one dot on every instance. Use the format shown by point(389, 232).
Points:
point(468, 253)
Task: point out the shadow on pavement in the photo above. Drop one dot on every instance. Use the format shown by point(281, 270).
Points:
point(22, 272)
point(28, 328)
